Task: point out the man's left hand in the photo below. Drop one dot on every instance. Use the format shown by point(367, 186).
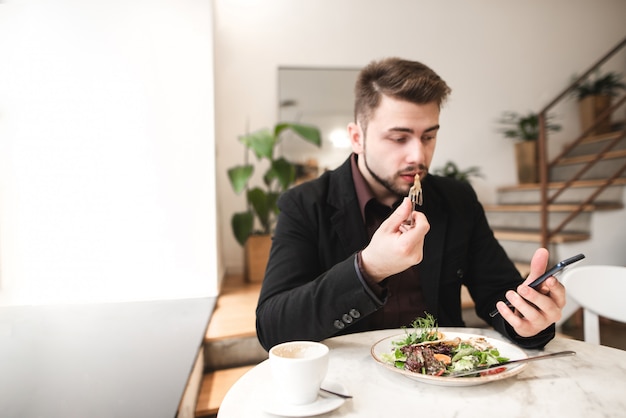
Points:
point(535, 310)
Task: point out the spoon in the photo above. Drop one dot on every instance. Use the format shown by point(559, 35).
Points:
point(341, 395)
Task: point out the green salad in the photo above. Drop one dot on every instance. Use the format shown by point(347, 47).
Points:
point(425, 350)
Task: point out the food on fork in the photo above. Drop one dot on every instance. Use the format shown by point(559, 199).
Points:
point(415, 196)
point(415, 192)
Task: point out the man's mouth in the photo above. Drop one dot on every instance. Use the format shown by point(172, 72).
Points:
point(409, 178)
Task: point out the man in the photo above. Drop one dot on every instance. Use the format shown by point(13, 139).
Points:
point(343, 258)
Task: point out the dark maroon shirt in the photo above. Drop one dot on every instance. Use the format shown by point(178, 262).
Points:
point(405, 300)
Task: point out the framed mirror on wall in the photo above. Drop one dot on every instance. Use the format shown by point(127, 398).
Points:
point(323, 97)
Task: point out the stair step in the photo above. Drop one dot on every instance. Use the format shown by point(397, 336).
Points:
point(595, 144)
point(559, 184)
point(231, 339)
point(214, 387)
point(529, 220)
point(535, 236)
point(603, 137)
point(561, 207)
point(620, 153)
point(578, 192)
point(233, 352)
point(611, 163)
point(235, 310)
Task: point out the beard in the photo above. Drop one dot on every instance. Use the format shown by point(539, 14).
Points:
point(389, 182)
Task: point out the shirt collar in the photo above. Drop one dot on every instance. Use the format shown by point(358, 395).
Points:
point(364, 192)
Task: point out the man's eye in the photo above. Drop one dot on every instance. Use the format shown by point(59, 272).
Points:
point(399, 139)
point(428, 138)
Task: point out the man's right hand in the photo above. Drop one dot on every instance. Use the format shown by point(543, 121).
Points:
point(394, 246)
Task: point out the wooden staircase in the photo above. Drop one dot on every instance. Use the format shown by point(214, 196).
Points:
point(515, 219)
point(586, 177)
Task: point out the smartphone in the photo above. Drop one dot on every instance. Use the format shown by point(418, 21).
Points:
point(550, 272)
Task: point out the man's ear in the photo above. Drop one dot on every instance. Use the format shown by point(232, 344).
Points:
point(356, 137)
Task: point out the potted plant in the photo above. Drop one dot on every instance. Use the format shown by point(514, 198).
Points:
point(252, 228)
point(594, 97)
point(450, 169)
point(525, 128)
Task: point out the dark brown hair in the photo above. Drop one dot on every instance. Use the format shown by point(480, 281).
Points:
point(397, 78)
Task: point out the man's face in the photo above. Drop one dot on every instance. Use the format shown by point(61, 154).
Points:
point(399, 143)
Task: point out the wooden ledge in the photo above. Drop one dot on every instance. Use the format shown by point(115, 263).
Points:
point(214, 388)
point(535, 236)
point(235, 311)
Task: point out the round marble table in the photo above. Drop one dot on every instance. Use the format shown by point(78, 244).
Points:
point(593, 383)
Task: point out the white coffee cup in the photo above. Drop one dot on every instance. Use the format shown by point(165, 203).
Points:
point(298, 369)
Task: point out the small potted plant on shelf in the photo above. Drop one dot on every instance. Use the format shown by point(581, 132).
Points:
point(594, 97)
point(252, 228)
point(450, 169)
point(525, 128)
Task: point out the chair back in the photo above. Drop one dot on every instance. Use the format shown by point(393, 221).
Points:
point(600, 290)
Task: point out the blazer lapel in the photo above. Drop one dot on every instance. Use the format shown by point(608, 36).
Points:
point(346, 219)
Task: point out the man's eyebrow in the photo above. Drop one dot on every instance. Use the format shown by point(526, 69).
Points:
point(411, 131)
point(432, 128)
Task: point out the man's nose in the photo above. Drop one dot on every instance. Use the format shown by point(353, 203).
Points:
point(415, 152)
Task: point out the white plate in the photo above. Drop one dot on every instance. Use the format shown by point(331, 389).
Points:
point(324, 403)
point(508, 350)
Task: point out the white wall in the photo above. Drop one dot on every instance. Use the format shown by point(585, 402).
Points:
point(107, 184)
point(496, 55)
point(607, 244)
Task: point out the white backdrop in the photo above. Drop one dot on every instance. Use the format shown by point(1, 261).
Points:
point(107, 184)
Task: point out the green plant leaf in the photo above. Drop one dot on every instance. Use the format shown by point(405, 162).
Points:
point(261, 143)
point(262, 201)
point(272, 202)
point(608, 84)
point(450, 169)
point(525, 127)
point(529, 127)
point(239, 177)
point(242, 224)
point(260, 205)
point(282, 171)
point(307, 132)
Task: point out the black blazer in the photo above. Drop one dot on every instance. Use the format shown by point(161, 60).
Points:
point(312, 290)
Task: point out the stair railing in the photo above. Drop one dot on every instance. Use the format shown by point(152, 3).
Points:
point(545, 165)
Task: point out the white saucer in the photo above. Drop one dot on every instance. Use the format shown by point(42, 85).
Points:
point(324, 403)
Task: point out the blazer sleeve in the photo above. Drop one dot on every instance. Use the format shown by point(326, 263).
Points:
point(311, 289)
